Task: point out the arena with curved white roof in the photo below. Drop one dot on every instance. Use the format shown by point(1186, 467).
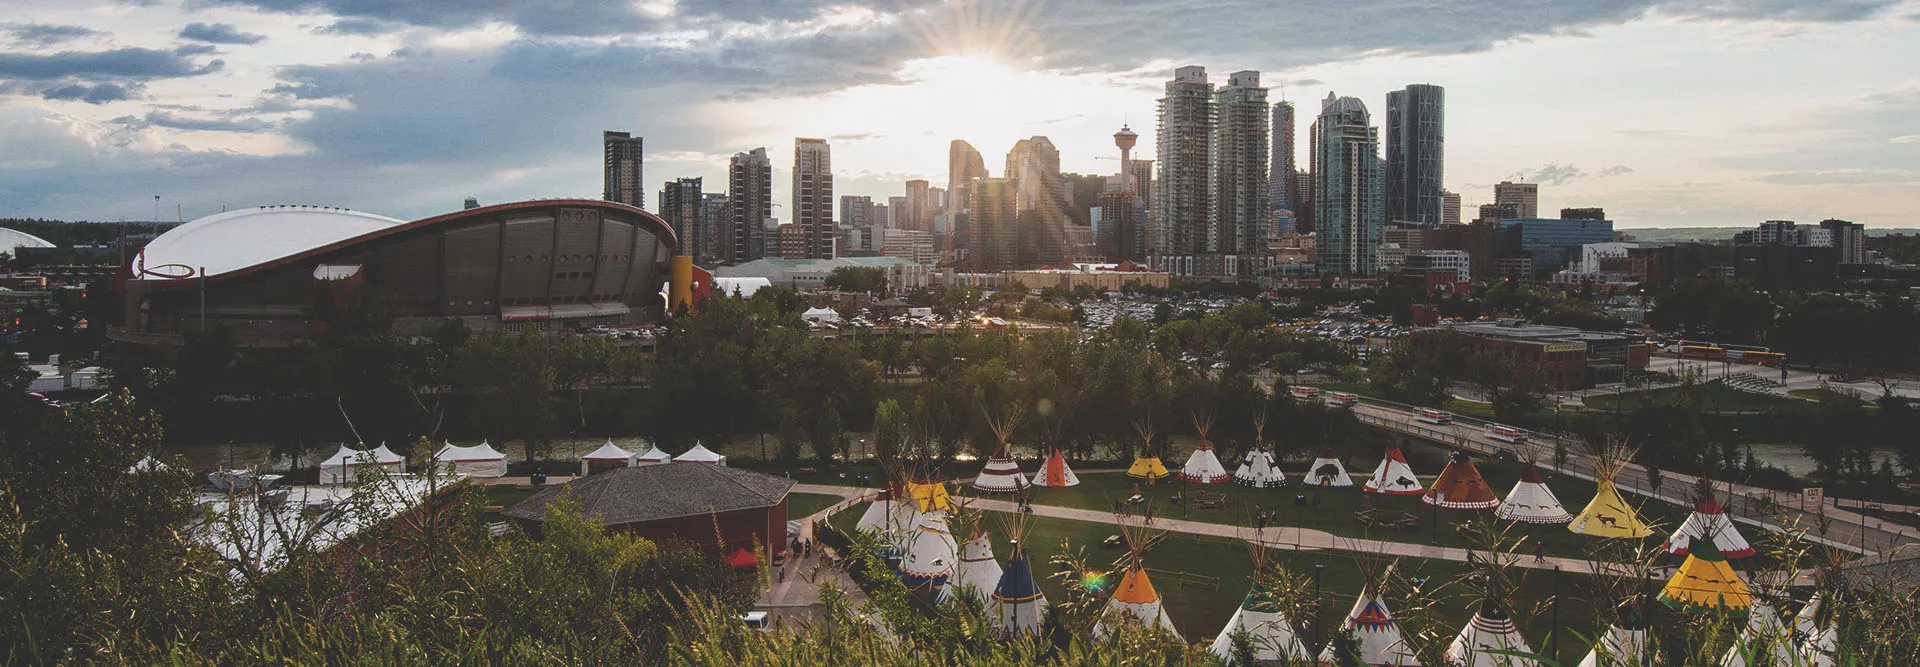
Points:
point(11, 241)
point(272, 276)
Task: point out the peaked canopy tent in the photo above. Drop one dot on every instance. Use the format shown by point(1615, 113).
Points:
point(1706, 584)
point(1134, 598)
point(1327, 470)
point(975, 575)
point(480, 460)
point(1609, 515)
point(820, 315)
point(1461, 487)
point(1491, 629)
point(1531, 501)
point(651, 456)
point(1055, 472)
point(607, 457)
point(1624, 642)
point(1709, 521)
point(146, 464)
point(1373, 625)
point(344, 466)
point(1393, 476)
point(1258, 471)
point(700, 454)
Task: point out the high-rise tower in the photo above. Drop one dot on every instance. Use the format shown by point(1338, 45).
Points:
point(994, 239)
point(1181, 207)
point(964, 166)
point(1416, 151)
point(1123, 205)
point(621, 179)
point(750, 191)
point(1280, 163)
point(1349, 198)
point(813, 197)
point(681, 208)
point(1242, 223)
point(1523, 197)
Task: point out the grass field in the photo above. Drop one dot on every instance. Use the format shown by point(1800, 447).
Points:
point(505, 495)
point(802, 505)
point(1334, 509)
point(1199, 611)
point(1716, 396)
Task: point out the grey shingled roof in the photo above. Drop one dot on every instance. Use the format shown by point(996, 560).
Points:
point(651, 493)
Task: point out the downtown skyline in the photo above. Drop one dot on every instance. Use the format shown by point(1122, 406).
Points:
point(405, 114)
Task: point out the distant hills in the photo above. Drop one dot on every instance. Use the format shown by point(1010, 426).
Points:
point(1726, 233)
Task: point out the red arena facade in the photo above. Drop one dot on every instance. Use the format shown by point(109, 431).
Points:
point(262, 272)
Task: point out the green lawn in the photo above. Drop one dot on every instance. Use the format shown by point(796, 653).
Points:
point(1199, 612)
point(1715, 396)
point(802, 505)
point(1334, 511)
point(1461, 406)
point(505, 495)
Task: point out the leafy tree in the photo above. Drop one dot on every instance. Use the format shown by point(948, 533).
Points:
point(868, 279)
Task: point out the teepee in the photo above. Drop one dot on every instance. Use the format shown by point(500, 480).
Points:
point(1625, 641)
point(1017, 606)
point(1002, 474)
point(1460, 487)
point(1766, 640)
point(1134, 600)
point(1705, 583)
point(1531, 501)
point(1491, 629)
point(1203, 466)
point(1393, 476)
point(888, 516)
point(1269, 630)
point(928, 550)
point(1055, 472)
point(1257, 469)
point(1709, 521)
point(1147, 466)
point(1327, 470)
point(1373, 625)
point(1609, 515)
point(1818, 644)
point(976, 574)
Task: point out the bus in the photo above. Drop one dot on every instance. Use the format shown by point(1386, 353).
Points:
point(1432, 416)
point(1774, 359)
point(1715, 353)
point(1341, 399)
point(1506, 433)
point(1304, 392)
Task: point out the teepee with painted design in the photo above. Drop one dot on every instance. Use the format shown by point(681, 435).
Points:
point(1147, 465)
point(928, 550)
point(1134, 599)
point(1461, 487)
point(1766, 641)
point(1002, 474)
point(1203, 466)
point(1258, 469)
point(1055, 472)
point(1270, 631)
point(1625, 641)
point(1017, 605)
point(977, 573)
point(1709, 520)
point(1705, 583)
point(1327, 470)
point(1608, 514)
point(1393, 476)
point(1531, 501)
point(1491, 629)
point(1378, 635)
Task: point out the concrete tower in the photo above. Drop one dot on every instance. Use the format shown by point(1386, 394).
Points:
point(813, 197)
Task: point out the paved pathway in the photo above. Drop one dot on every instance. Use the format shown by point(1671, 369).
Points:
point(795, 590)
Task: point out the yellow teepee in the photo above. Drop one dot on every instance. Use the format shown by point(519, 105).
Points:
point(1609, 515)
point(1147, 466)
point(1705, 583)
point(929, 496)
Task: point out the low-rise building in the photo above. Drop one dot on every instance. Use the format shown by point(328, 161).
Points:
point(1565, 357)
point(1103, 277)
point(811, 274)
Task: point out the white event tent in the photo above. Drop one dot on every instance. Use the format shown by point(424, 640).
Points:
point(607, 456)
point(341, 467)
point(700, 454)
point(480, 460)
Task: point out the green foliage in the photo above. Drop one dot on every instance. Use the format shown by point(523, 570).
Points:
point(868, 279)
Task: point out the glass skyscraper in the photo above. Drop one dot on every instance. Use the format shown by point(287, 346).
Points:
point(1416, 152)
point(1349, 200)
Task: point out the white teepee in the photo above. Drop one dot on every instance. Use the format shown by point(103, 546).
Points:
point(1258, 471)
point(1624, 643)
point(1203, 466)
point(1491, 629)
point(1269, 631)
point(1817, 644)
point(1394, 477)
point(1134, 598)
point(1002, 474)
point(1766, 638)
point(1327, 470)
point(1055, 472)
point(1531, 501)
point(1709, 520)
point(928, 550)
point(1379, 635)
point(976, 574)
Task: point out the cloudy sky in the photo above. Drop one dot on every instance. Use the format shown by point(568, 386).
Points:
point(1665, 112)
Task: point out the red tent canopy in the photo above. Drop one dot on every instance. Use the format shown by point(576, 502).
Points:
point(743, 559)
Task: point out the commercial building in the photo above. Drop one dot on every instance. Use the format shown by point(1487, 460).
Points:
point(1450, 208)
point(919, 213)
point(1523, 197)
point(256, 272)
point(1662, 263)
point(856, 211)
point(1033, 165)
point(1416, 154)
point(1242, 222)
point(1563, 357)
point(1551, 243)
point(1583, 214)
point(722, 511)
point(681, 206)
point(750, 191)
point(1608, 263)
point(811, 274)
point(1849, 238)
point(716, 213)
point(1349, 197)
point(1456, 261)
point(813, 196)
point(964, 166)
point(792, 240)
point(1103, 277)
point(1772, 266)
point(621, 177)
point(1182, 205)
point(994, 236)
point(909, 244)
point(1280, 190)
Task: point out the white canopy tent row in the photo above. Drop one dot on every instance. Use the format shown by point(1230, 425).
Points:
point(480, 460)
point(700, 454)
point(345, 465)
point(607, 457)
point(652, 456)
